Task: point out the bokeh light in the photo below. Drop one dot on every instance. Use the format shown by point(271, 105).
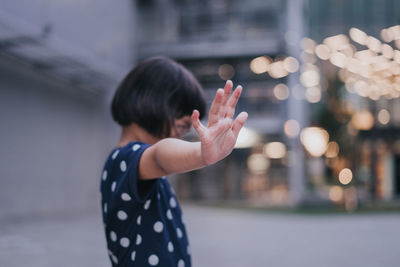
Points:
point(383, 116)
point(386, 35)
point(257, 163)
point(275, 150)
point(315, 140)
point(260, 64)
point(226, 72)
point(374, 44)
point(323, 52)
point(358, 36)
point(336, 42)
point(310, 78)
point(277, 70)
point(362, 120)
point(308, 45)
point(338, 59)
point(345, 176)
point(247, 138)
point(336, 193)
point(291, 128)
point(281, 91)
point(291, 64)
point(332, 150)
point(313, 94)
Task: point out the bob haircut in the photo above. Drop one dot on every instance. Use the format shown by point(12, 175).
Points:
point(155, 93)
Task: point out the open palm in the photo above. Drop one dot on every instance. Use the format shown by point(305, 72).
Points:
point(219, 137)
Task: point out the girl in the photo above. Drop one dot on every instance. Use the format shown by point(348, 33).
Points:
point(156, 104)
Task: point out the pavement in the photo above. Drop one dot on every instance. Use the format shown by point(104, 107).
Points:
point(218, 237)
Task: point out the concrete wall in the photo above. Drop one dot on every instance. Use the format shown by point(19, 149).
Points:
point(88, 28)
point(54, 139)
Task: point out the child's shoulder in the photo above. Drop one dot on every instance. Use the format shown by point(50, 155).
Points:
point(133, 145)
point(132, 149)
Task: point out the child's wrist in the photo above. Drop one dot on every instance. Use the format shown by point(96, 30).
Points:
point(201, 157)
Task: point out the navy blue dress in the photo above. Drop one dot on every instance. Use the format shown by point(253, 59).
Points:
point(142, 218)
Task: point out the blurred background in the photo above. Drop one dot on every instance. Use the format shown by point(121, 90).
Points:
point(322, 88)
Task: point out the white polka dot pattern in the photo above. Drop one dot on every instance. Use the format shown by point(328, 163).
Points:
point(158, 227)
point(114, 156)
point(170, 247)
point(169, 214)
point(113, 236)
point(122, 215)
point(126, 197)
point(122, 166)
point(124, 242)
point(179, 232)
point(172, 202)
point(120, 203)
point(135, 147)
point(153, 260)
point(147, 204)
point(138, 239)
point(114, 259)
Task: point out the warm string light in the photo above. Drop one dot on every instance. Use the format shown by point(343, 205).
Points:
point(276, 69)
point(372, 72)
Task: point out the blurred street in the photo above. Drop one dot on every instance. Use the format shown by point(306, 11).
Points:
point(321, 84)
point(219, 237)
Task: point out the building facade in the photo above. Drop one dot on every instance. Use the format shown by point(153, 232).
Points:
point(220, 40)
point(59, 64)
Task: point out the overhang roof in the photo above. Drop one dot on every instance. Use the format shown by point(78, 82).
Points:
point(32, 45)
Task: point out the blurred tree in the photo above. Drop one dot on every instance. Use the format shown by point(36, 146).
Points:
point(334, 116)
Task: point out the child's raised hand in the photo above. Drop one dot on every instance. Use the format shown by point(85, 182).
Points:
point(219, 137)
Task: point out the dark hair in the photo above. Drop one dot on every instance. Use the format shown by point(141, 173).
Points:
point(155, 93)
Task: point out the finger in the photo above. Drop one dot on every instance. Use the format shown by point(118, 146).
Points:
point(233, 99)
point(227, 91)
point(197, 125)
point(215, 107)
point(239, 122)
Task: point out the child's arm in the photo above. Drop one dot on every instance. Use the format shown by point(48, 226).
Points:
point(217, 140)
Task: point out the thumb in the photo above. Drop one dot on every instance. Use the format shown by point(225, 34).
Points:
point(197, 125)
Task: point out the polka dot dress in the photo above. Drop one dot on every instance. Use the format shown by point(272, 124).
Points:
point(142, 219)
